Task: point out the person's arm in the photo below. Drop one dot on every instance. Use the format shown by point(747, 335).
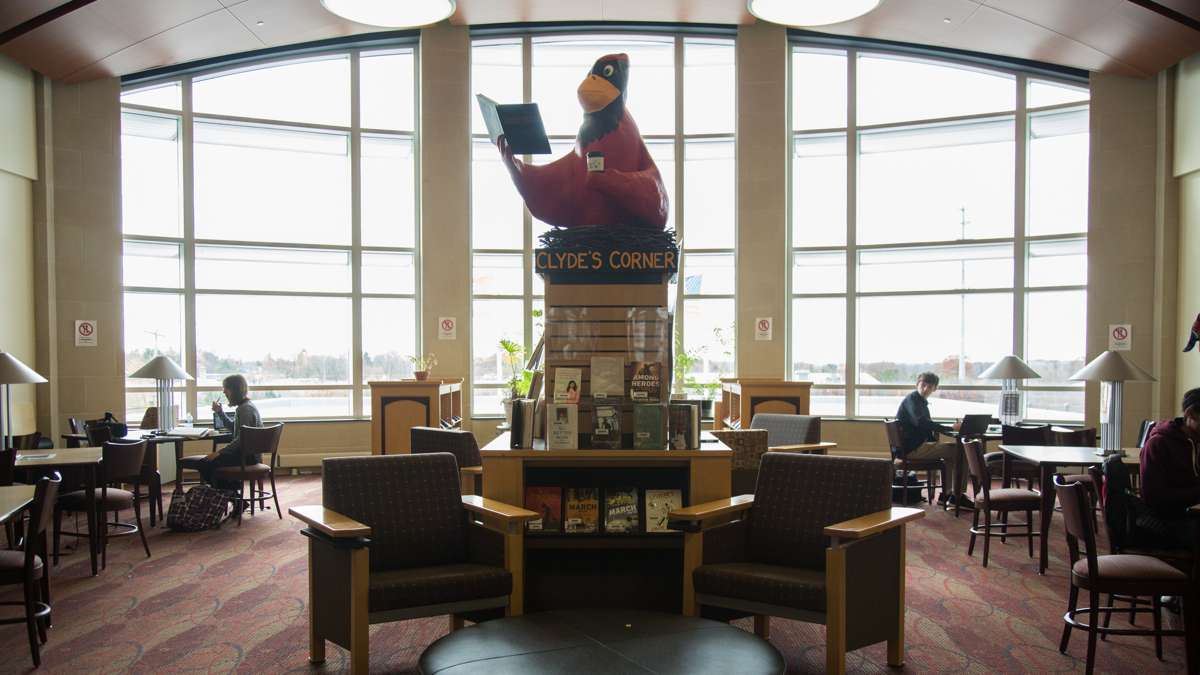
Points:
point(918, 416)
point(234, 447)
point(1156, 489)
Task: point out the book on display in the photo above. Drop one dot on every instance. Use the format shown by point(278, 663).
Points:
point(547, 503)
point(607, 377)
point(582, 511)
point(659, 503)
point(562, 426)
point(606, 427)
point(645, 385)
point(621, 510)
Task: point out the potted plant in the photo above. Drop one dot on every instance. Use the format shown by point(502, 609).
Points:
point(685, 384)
point(422, 365)
point(519, 378)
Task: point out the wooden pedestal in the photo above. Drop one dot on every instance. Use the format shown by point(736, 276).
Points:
point(742, 397)
point(397, 407)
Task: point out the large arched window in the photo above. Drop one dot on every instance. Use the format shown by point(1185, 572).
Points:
point(270, 229)
point(938, 222)
point(682, 93)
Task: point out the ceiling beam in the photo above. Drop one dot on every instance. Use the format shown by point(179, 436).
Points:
point(42, 19)
point(1171, 14)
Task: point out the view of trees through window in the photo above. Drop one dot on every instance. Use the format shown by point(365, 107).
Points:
point(913, 248)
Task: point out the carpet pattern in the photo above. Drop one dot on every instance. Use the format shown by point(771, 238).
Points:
point(233, 600)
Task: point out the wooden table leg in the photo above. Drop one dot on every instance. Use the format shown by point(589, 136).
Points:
point(958, 462)
point(178, 490)
point(1191, 631)
point(1006, 471)
point(1047, 485)
point(94, 521)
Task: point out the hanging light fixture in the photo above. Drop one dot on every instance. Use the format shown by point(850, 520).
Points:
point(392, 13)
point(809, 12)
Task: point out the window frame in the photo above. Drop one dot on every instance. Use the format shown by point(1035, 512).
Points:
point(188, 242)
point(1019, 241)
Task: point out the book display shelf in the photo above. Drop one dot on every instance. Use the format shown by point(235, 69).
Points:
point(743, 397)
point(401, 405)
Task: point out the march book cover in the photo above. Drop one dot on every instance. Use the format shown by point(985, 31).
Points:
point(621, 510)
point(583, 510)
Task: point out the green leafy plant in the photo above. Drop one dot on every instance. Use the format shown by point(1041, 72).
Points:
point(519, 378)
point(424, 362)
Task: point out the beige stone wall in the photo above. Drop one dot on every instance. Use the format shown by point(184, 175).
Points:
point(18, 171)
point(1187, 169)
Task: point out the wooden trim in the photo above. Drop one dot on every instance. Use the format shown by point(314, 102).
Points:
point(713, 509)
point(693, 557)
point(895, 646)
point(514, 562)
point(330, 523)
point(316, 641)
point(506, 514)
point(360, 622)
point(821, 448)
point(873, 523)
point(835, 610)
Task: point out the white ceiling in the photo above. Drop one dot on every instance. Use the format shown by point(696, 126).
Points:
point(105, 38)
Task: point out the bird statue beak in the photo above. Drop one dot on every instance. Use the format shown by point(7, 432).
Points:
point(595, 93)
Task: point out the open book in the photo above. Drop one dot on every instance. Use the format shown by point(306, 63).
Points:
point(191, 432)
point(519, 123)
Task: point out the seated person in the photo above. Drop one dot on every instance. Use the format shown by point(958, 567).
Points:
point(1170, 473)
point(918, 432)
point(235, 389)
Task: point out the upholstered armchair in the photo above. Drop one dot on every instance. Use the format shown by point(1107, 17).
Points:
point(789, 432)
point(748, 446)
point(819, 542)
point(461, 444)
point(395, 540)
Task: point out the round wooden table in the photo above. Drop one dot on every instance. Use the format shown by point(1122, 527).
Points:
point(601, 642)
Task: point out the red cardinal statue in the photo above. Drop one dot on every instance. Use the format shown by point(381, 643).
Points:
point(1195, 336)
point(629, 189)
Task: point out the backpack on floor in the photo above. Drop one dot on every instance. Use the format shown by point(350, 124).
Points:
point(201, 508)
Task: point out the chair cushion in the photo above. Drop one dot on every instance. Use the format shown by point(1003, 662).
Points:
point(419, 586)
point(1135, 574)
point(192, 460)
point(1013, 498)
point(77, 500)
point(788, 429)
point(235, 471)
point(12, 567)
point(1084, 478)
point(769, 584)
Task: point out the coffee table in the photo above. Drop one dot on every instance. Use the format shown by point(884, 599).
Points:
point(601, 642)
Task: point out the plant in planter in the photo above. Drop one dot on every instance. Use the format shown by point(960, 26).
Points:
point(422, 365)
point(685, 384)
point(519, 378)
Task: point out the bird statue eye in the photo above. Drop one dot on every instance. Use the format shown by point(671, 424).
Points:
point(608, 71)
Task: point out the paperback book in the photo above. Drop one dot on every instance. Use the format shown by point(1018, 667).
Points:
point(683, 426)
point(566, 384)
point(562, 426)
point(547, 503)
point(621, 510)
point(646, 382)
point(659, 503)
point(583, 510)
point(649, 426)
point(606, 427)
point(608, 377)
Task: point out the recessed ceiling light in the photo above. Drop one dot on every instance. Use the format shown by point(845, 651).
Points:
point(260, 22)
point(946, 20)
point(809, 12)
point(390, 13)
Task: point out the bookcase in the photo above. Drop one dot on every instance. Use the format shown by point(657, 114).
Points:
point(742, 397)
point(398, 406)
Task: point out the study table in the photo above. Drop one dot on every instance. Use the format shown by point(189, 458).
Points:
point(153, 440)
point(13, 499)
point(85, 459)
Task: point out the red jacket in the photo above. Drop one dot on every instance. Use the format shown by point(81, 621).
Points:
point(1170, 469)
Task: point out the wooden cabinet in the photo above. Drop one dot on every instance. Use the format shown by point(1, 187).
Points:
point(742, 397)
point(399, 406)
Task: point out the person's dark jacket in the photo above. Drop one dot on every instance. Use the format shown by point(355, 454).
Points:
point(246, 415)
point(1170, 469)
point(916, 426)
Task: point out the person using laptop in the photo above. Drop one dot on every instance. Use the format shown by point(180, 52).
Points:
point(1170, 472)
point(236, 391)
point(919, 435)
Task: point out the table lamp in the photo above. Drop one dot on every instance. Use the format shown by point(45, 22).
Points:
point(1008, 370)
point(12, 371)
point(1111, 370)
point(164, 372)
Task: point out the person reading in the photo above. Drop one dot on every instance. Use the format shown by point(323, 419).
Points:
point(1170, 473)
point(244, 415)
point(919, 437)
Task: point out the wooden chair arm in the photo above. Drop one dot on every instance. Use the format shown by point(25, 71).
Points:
point(330, 523)
point(810, 448)
point(873, 523)
point(471, 470)
point(713, 509)
point(492, 509)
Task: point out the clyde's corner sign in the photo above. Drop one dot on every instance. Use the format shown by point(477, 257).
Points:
point(605, 266)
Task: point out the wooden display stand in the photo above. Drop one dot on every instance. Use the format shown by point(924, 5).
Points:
point(399, 406)
point(742, 397)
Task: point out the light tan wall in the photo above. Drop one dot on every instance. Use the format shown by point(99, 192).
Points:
point(18, 170)
point(763, 150)
point(1187, 169)
point(1121, 230)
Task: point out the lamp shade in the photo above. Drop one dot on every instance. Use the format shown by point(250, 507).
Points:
point(1111, 366)
point(809, 12)
point(161, 368)
point(1009, 368)
point(12, 371)
point(392, 13)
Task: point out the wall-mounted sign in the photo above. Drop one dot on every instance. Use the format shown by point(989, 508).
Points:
point(1120, 336)
point(762, 328)
point(447, 328)
point(545, 260)
point(85, 333)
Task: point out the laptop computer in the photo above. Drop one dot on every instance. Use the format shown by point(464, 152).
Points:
point(974, 425)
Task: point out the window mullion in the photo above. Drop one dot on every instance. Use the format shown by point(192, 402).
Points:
point(1020, 192)
point(188, 175)
point(851, 368)
point(356, 309)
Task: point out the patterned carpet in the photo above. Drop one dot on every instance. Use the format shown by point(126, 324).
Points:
point(233, 600)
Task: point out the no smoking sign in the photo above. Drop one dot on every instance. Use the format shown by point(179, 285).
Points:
point(762, 328)
point(1120, 337)
point(85, 333)
point(447, 328)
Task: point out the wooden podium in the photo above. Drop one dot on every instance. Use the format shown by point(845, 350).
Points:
point(742, 397)
point(399, 406)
